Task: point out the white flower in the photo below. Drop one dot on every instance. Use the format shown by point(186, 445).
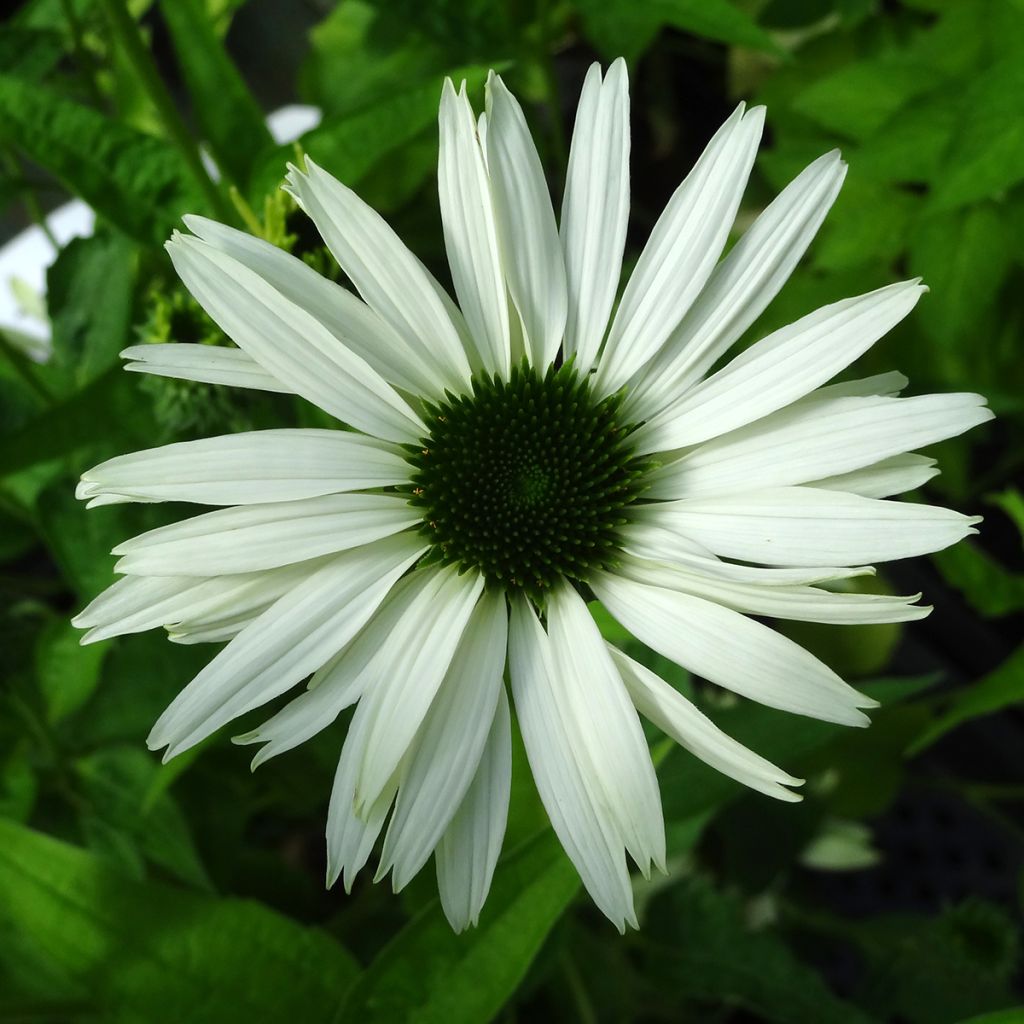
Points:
point(504, 463)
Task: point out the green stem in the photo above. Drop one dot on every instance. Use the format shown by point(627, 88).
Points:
point(35, 211)
point(83, 59)
point(559, 142)
point(126, 32)
point(578, 991)
point(23, 368)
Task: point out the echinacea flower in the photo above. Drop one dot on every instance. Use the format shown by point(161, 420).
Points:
point(499, 463)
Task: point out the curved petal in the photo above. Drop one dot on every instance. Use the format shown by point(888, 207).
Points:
point(470, 232)
point(252, 467)
point(290, 343)
point(207, 364)
point(390, 278)
point(530, 249)
point(595, 209)
point(682, 250)
point(883, 479)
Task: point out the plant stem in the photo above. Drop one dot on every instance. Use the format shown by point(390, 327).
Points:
point(127, 34)
point(83, 59)
point(35, 211)
point(23, 368)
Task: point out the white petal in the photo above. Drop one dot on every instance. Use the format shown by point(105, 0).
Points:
point(781, 368)
point(247, 468)
point(671, 712)
point(530, 249)
point(742, 285)
point(731, 650)
point(468, 851)
point(470, 232)
point(884, 479)
point(285, 644)
point(581, 823)
point(351, 321)
point(390, 278)
point(340, 682)
point(247, 538)
point(595, 209)
point(804, 526)
point(408, 677)
point(655, 542)
point(803, 603)
point(815, 439)
point(137, 603)
point(290, 343)
point(682, 250)
point(606, 734)
point(449, 744)
point(208, 364)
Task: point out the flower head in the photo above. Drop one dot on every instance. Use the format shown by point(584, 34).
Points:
point(499, 463)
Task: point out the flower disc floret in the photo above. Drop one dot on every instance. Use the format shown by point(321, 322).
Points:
point(526, 479)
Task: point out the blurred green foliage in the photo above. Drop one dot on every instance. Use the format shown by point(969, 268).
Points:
point(134, 891)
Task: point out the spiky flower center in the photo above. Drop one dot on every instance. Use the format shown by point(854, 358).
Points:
point(526, 479)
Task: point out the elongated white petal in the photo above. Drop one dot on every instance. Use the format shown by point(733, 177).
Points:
point(409, 676)
point(682, 250)
point(806, 604)
point(741, 286)
point(883, 479)
point(677, 717)
point(595, 209)
point(246, 538)
point(390, 278)
point(247, 468)
point(647, 540)
point(470, 232)
point(293, 638)
point(731, 650)
point(290, 343)
point(341, 681)
point(580, 821)
point(351, 321)
point(467, 854)
point(805, 526)
point(208, 364)
point(781, 368)
point(530, 250)
point(450, 743)
point(137, 603)
point(817, 439)
point(607, 736)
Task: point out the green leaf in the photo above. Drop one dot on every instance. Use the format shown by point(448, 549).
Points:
point(89, 331)
point(465, 979)
point(68, 673)
point(139, 183)
point(1011, 501)
point(990, 588)
point(1015, 1015)
point(708, 953)
point(997, 690)
point(29, 53)
point(228, 117)
point(152, 953)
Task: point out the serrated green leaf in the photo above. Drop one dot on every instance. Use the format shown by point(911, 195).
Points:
point(68, 673)
point(228, 117)
point(153, 953)
point(138, 182)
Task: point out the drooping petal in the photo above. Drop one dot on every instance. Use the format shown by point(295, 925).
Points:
point(530, 250)
point(580, 821)
point(781, 368)
point(449, 745)
point(293, 638)
point(470, 231)
point(731, 650)
point(682, 250)
point(208, 364)
point(351, 321)
point(677, 717)
point(246, 538)
point(467, 854)
point(290, 343)
point(607, 736)
point(595, 209)
point(247, 468)
point(389, 277)
point(816, 439)
point(741, 286)
point(804, 526)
